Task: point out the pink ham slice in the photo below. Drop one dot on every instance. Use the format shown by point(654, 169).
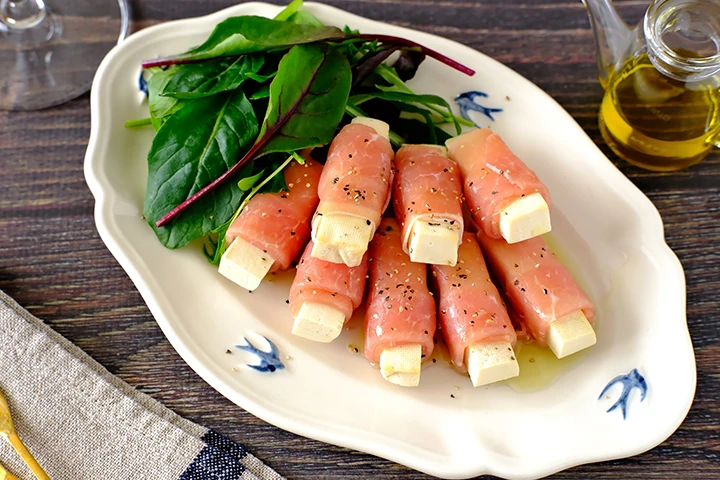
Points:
point(493, 177)
point(540, 288)
point(279, 223)
point(357, 174)
point(354, 191)
point(521, 330)
point(333, 284)
point(400, 309)
point(426, 187)
point(471, 309)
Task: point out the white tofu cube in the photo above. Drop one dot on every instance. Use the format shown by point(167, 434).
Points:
point(435, 243)
point(341, 238)
point(401, 365)
point(525, 218)
point(570, 334)
point(318, 322)
point(491, 362)
point(245, 264)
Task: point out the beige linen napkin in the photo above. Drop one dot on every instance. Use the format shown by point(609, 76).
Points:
point(83, 423)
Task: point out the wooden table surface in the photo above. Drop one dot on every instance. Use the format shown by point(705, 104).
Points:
point(54, 264)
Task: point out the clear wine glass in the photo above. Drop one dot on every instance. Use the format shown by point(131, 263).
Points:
point(50, 49)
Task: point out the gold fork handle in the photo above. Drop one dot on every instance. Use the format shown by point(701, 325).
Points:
point(22, 450)
point(5, 475)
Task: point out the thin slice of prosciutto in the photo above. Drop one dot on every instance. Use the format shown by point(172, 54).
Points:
point(333, 284)
point(426, 187)
point(470, 308)
point(357, 175)
point(539, 287)
point(493, 177)
point(279, 223)
point(400, 308)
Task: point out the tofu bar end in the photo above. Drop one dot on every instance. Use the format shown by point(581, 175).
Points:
point(434, 243)
point(245, 264)
point(318, 322)
point(401, 365)
point(491, 362)
point(525, 218)
point(341, 238)
point(570, 334)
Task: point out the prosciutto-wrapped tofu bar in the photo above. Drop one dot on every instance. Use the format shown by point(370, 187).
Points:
point(400, 316)
point(427, 199)
point(324, 295)
point(473, 318)
point(354, 191)
point(504, 196)
point(543, 293)
point(272, 228)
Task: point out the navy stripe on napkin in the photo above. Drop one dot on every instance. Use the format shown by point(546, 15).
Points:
point(220, 459)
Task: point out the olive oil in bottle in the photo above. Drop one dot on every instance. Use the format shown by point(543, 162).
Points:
point(658, 122)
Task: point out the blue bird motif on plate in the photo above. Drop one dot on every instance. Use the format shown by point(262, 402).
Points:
point(467, 102)
point(142, 83)
point(629, 381)
point(269, 361)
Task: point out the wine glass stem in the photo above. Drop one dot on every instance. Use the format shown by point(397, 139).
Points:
point(22, 14)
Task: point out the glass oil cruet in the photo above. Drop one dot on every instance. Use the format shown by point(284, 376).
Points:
point(661, 108)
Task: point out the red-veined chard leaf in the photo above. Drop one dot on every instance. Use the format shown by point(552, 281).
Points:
point(192, 148)
point(307, 99)
point(392, 40)
point(249, 34)
point(198, 80)
point(306, 104)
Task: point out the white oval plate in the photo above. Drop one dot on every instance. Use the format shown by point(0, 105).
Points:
point(609, 229)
